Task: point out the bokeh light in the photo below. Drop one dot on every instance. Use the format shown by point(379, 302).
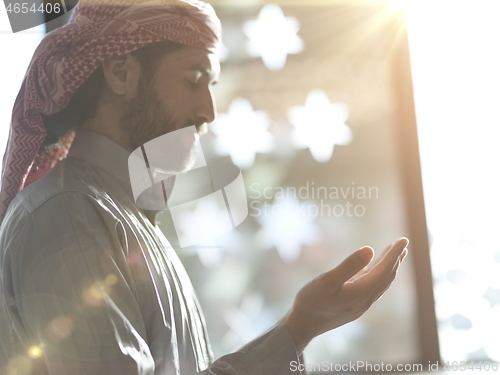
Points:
point(273, 36)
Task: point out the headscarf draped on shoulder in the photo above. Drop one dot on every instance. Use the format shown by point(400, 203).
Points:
point(66, 57)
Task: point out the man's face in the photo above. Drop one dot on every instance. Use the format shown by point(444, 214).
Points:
point(178, 95)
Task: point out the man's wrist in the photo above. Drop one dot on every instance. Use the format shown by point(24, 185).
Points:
point(297, 329)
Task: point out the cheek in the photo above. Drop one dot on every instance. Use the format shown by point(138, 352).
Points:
point(175, 99)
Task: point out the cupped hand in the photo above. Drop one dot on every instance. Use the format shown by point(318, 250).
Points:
point(343, 294)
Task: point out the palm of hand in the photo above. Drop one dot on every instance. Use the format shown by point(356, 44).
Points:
point(342, 294)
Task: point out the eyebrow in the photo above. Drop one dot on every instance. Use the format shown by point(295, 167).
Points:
point(202, 69)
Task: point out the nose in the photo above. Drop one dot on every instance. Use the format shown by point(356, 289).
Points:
point(205, 110)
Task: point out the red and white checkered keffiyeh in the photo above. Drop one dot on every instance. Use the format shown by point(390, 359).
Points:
point(66, 57)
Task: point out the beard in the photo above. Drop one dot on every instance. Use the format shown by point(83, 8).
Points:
point(144, 119)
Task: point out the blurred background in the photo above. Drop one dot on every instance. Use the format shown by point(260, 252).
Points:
point(354, 123)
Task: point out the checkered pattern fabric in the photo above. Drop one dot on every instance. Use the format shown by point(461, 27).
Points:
point(66, 57)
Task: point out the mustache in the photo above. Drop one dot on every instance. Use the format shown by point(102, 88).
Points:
point(201, 126)
point(202, 129)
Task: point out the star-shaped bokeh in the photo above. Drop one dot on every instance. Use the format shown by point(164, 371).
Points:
point(319, 125)
point(208, 217)
point(242, 132)
point(273, 36)
point(492, 296)
point(287, 224)
point(247, 320)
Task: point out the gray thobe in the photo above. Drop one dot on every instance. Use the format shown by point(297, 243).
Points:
point(88, 285)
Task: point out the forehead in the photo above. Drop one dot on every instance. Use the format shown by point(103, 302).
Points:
point(190, 59)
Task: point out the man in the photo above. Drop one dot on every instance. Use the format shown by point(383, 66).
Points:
point(89, 284)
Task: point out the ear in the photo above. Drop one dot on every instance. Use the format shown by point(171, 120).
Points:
point(122, 74)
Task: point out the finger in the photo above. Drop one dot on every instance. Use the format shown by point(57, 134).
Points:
point(385, 266)
point(380, 256)
point(360, 273)
point(404, 254)
point(386, 250)
point(383, 287)
point(350, 266)
point(367, 268)
point(392, 255)
point(370, 266)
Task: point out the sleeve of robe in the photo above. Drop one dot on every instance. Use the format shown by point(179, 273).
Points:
point(69, 298)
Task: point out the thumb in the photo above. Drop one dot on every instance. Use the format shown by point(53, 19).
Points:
point(350, 266)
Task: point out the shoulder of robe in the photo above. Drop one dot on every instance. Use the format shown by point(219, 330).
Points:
point(66, 193)
point(69, 176)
